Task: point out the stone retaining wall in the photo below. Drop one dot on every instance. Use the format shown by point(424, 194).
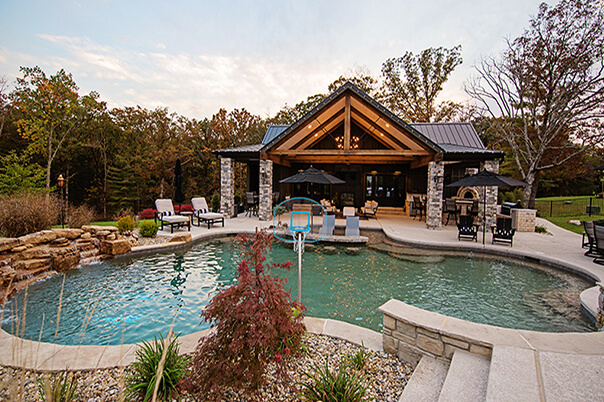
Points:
point(27, 259)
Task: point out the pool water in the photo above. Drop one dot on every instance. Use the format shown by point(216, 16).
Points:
point(129, 300)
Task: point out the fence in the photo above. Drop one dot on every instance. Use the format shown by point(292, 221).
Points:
point(576, 207)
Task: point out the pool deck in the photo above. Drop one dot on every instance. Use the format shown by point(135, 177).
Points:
point(559, 247)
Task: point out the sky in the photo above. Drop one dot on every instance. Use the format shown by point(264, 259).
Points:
point(195, 57)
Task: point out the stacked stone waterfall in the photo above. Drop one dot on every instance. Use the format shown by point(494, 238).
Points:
point(27, 259)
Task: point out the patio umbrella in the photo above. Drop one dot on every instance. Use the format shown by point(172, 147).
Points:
point(179, 197)
point(487, 179)
point(313, 175)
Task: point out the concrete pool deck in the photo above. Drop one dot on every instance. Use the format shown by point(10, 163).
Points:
point(559, 358)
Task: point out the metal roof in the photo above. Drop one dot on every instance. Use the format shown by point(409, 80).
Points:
point(273, 132)
point(462, 134)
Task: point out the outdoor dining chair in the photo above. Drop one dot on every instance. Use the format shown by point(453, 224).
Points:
point(251, 204)
point(451, 209)
point(589, 239)
point(352, 226)
point(418, 207)
point(599, 244)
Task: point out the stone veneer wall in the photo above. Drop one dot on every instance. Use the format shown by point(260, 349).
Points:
point(227, 187)
point(524, 220)
point(491, 196)
point(29, 258)
point(436, 173)
point(265, 207)
point(410, 340)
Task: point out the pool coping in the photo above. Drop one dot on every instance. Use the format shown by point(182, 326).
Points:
point(41, 356)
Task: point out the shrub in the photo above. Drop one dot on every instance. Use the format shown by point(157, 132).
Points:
point(215, 202)
point(147, 213)
point(126, 224)
point(124, 212)
point(148, 229)
point(80, 216)
point(540, 229)
point(141, 380)
point(325, 386)
point(27, 212)
point(58, 387)
point(358, 360)
point(254, 322)
point(183, 208)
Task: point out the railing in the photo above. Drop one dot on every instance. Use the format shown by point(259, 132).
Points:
point(591, 206)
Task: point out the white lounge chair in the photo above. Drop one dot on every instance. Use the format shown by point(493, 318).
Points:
point(202, 213)
point(165, 215)
point(370, 208)
point(329, 223)
point(352, 226)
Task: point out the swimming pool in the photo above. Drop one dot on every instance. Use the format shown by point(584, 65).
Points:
point(127, 300)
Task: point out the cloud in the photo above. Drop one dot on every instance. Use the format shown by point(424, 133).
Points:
point(196, 85)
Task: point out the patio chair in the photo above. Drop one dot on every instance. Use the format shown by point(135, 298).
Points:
point(418, 207)
point(166, 216)
point(329, 224)
point(451, 209)
point(370, 208)
point(326, 204)
point(202, 213)
point(503, 231)
point(352, 226)
point(348, 211)
point(466, 229)
point(251, 204)
point(599, 244)
point(589, 239)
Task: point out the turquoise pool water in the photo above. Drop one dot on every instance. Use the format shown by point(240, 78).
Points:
point(127, 300)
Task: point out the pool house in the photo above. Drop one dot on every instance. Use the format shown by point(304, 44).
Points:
point(379, 156)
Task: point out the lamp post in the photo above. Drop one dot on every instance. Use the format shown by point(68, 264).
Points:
point(60, 182)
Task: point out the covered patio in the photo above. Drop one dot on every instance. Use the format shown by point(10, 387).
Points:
point(379, 156)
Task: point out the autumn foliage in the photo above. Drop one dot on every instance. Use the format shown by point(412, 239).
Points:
point(255, 323)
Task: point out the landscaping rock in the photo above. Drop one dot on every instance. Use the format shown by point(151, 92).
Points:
point(353, 250)
point(103, 233)
point(329, 250)
point(64, 259)
point(44, 236)
point(94, 229)
point(18, 249)
point(28, 265)
point(181, 237)
point(34, 252)
point(85, 236)
point(114, 247)
point(111, 236)
point(68, 233)
point(60, 242)
point(7, 243)
point(133, 242)
point(7, 275)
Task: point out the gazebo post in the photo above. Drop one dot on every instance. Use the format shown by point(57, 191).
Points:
point(434, 208)
point(265, 202)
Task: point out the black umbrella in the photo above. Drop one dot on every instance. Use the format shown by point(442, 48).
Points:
point(313, 175)
point(179, 197)
point(487, 179)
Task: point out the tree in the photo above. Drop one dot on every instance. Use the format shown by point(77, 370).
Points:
point(361, 77)
point(412, 84)
point(50, 111)
point(4, 106)
point(291, 114)
point(545, 92)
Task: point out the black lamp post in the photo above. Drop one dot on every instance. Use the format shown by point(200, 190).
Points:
point(60, 182)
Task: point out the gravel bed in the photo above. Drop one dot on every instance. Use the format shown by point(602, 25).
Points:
point(386, 376)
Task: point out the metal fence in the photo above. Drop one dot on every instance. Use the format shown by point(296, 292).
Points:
point(581, 206)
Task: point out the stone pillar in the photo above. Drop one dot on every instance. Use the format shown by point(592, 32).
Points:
point(265, 207)
point(434, 209)
point(227, 187)
point(491, 196)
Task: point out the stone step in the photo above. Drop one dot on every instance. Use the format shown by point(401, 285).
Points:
point(31, 265)
point(426, 381)
point(466, 379)
point(513, 375)
point(23, 274)
point(89, 253)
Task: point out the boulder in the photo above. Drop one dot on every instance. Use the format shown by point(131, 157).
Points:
point(68, 233)
point(7, 243)
point(34, 252)
point(85, 236)
point(18, 249)
point(111, 236)
point(181, 237)
point(133, 242)
point(44, 236)
point(59, 242)
point(65, 258)
point(114, 247)
point(103, 233)
point(7, 275)
point(94, 229)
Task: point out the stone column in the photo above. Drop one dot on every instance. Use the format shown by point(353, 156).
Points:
point(227, 187)
point(434, 209)
point(491, 196)
point(265, 207)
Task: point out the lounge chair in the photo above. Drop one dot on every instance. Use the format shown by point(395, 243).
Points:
point(599, 244)
point(466, 229)
point(166, 216)
point(503, 231)
point(589, 239)
point(352, 226)
point(370, 208)
point(451, 209)
point(201, 213)
point(329, 223)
